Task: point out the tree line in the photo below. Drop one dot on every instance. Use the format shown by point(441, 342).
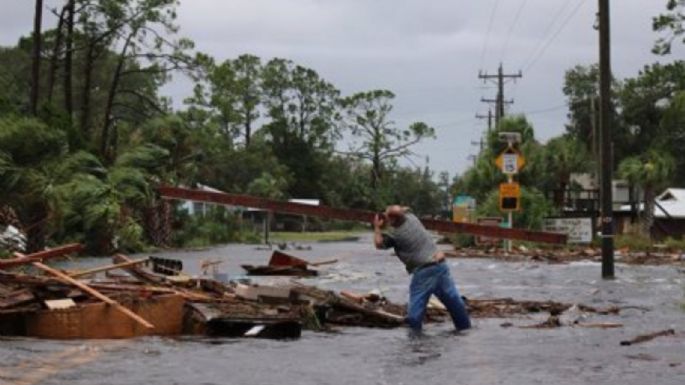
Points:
point(648, 135)
point(86, 135)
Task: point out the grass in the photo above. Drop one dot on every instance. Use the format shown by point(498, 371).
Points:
point(313, 236)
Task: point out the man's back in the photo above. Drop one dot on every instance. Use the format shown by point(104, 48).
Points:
point(412, 243)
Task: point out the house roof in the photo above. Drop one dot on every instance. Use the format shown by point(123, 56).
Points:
point(672, 200)
point(310, 202)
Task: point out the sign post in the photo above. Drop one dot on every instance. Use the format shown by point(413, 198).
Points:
point(510, 161)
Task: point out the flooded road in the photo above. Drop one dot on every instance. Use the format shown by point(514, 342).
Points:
point(487, 354)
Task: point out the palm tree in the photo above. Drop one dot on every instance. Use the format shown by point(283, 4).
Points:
point(565, 155)
point(102, 203)
point(649, 171)
point(73, 196)
point(29, 155)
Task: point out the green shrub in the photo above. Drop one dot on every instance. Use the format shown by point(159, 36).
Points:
point(215, 227)
point(633, 242)
point(130, 236)
point(673, 244)
point(462, 240)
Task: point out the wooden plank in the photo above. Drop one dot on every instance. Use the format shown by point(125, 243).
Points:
point(109, 267)
point(155, 279)
point(16, 298)
point(94, 293)
point(40, 256)
point(354, 215)
point(648, 337)
point(131, 288)
point(321, 263)
point(137, 272)
point(279, 258)
point(102, 321)
point(60, 304)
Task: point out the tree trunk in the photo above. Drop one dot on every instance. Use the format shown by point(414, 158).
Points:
point(35, 69)
point(36, 228)
point(648, 213)
point(561, 196)
point(158, 223)
point(248, 127)
point(376, 158)
point(104, 140)
point(69, 43)
point(375, 171)
point(85, 99)
point(8, 217)
point(55, 55)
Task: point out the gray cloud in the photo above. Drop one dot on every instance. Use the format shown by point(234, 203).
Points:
point(428, 52)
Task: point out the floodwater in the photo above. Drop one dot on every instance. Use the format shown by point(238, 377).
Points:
point(487, 354)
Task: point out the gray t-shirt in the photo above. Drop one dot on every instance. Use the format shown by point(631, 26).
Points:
point(412, 243)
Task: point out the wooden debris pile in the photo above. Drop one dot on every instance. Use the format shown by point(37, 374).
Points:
point(524, 254)
point(154, 297)
point(508, 307)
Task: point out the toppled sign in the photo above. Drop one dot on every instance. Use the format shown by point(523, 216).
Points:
point(354, 215)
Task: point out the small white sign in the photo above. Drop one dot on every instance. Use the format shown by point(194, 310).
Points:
point(510, 163)
point(578, 230)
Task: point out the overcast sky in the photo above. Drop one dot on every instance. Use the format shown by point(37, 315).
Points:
point(428, 52)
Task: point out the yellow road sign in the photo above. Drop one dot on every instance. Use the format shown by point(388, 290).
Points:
point(510, 196)
point(510, 161)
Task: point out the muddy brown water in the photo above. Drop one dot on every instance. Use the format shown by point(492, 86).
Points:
point(488, 354)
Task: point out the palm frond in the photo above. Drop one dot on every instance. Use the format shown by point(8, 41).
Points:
point(148, 157)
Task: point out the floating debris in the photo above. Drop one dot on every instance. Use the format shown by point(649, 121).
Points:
point(288, 265)
point(523, 254)
point(648, 337)
point(95, 303)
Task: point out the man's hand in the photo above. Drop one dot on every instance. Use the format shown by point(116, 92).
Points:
point(378, 221)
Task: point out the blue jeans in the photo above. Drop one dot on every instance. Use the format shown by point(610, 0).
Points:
point(435, 279)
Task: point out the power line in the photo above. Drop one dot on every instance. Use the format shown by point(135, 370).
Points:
point(548, 29)
point(454, 123)
point(558, 31)
point(511, 29)
point(545, 110)
point(487, 35)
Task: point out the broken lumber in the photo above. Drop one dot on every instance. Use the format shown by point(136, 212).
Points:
point(599, 325)
point(16, 298)
point(279, 258)
point(321, 263)
point(298, 271)
point(155, 279)
point(94, 293)
point(25, 259)
point(109, 267)
point(648, 337)
point(137, 272)
point(354, 215)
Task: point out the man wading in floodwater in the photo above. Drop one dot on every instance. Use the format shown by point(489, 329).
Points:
point(430, 274)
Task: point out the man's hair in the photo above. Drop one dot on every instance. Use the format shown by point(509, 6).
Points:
point(395, 219)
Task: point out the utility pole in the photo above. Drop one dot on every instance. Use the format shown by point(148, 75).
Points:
point(478, 143)
point(500, 78)
point(496, 103)
point(472, 158)
point(35, 60)
point(605, 148)
point(488, 117)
